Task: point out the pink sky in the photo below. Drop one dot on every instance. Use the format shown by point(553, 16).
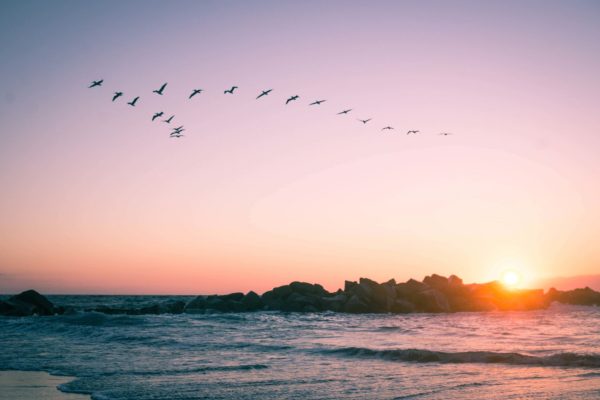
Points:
point(97, 198)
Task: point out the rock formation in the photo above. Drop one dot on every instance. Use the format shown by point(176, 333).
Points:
point(435, 294)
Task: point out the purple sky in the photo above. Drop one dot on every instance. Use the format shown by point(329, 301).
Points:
point(97, 198)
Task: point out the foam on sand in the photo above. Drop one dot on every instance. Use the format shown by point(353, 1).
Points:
point(27, 385)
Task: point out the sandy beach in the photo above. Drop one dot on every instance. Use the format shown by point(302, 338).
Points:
point(28, 385)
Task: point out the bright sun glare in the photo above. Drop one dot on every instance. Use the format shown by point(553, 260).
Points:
point(511, 278)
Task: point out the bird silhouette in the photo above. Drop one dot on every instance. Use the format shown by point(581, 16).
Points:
point(160, 91)
point(295, 97)
point(168, 120)
point(178, 128)
point(176, 135)
point(409, 132)
point(364, 121)
point(132, 102)
point(96, 83)
point(344, 112)
point(445, 133)
point(156, 115)
point(195, 92)
point(317, 102)
point(230, 91)
point(387, 128)
point(264, 93)
point(117, 95)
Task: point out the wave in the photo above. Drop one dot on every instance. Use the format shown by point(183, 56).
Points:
point(203, 369)
point(475, 357)
point(93, 318)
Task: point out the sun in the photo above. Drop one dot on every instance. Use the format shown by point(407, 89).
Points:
point(511, 278)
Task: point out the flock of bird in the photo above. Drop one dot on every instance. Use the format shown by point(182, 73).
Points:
point(178, 131)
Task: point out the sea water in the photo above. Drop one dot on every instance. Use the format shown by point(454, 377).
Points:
point(553, 353)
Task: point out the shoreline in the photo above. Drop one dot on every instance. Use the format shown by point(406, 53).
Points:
point(27, 385)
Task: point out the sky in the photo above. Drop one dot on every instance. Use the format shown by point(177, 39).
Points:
point(96, 198)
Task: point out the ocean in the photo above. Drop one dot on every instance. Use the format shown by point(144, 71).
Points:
point(542, 354)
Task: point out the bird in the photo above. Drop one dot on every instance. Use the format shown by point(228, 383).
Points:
point(176, 135)
point(156, 115)
point(445, 133)
point(96, 83)
point(264, 93)
point(132, 102)
point(195, 92)
point(230, 91)
point(117, 95)
point(387, 127)
point(409, 132)
point(160, 91)
point(364, 121)
point(317, 102)
point(295, 97)
point(344, 112)
point(168, 120)
point(178, 128)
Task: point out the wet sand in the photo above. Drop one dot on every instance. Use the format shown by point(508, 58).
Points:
point(26, 385)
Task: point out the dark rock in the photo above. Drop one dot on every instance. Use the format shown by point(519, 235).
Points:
point(431, 300)
point(584, 297)
point(238, 296)
point(252, 302)
point(29, 302)
point(402, 306)
point(349, 286)
point(436, 281)
point(198, 305)
point(334, 303)
point(300, 302)
point(355, 305)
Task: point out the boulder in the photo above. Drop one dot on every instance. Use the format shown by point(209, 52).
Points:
point(198, 305)
point(29, 302)
point(431, 300)
point(334, 303)
point(355, 305)
point(252, 301)
point(298, 302)
point(402, 306)
point(436, 281)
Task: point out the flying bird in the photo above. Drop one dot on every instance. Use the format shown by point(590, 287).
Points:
point(230, 91)
point(344, 112)
point(409, 132)
point(387, 127)
point(295, 97)
point(178, 135)
point(117, 95)
point(264, 93)
point(364, 121)
point(132, 102)
point(168, 120)
point(160, 91)
point(96, 83)
point(445, 133)
point(195, 92)
point(156, 115)
point(178, 128)
point(317, 102)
